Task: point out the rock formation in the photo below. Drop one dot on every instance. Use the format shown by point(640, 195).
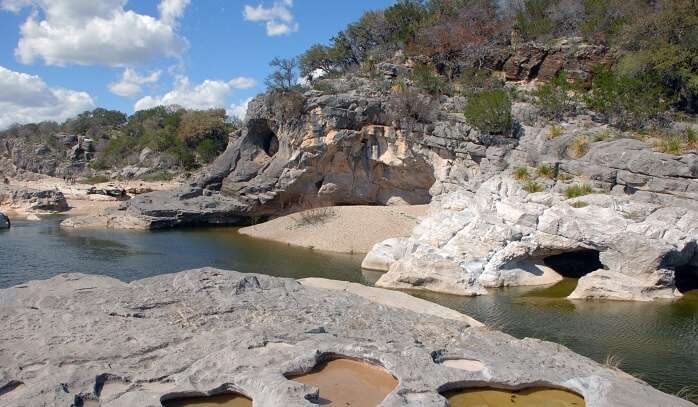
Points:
point(32, 200)
point(4, 221)
point(501, 235)
point(89, 340)
point(340, 149)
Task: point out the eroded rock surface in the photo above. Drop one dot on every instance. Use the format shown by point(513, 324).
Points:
point(339, 149)
point(501, 235)
point(32, 200)
point(82, 340)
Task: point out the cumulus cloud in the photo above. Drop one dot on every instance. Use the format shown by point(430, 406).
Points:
point(239, 110)
point(208, 94)
point(26, 98)
point(278, 18)
point(131, 82)
point(62, 32)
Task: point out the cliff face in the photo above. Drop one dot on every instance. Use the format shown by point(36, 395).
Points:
point(335, 149)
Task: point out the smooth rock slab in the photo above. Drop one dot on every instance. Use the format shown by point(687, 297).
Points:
point(82, 339)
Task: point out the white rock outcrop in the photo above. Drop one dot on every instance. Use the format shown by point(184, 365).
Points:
point(500, 236)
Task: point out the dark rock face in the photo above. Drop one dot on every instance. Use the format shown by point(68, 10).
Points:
point(572, 55)
point(4, 221)
point(341, 149)
point(92, 340)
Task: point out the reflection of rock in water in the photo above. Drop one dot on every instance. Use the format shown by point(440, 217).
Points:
point(531, 397)
point(222, 400)
point(344, 382)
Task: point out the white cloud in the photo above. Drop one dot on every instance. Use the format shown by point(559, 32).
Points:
point(131, 82)
point(172, 10)
point(278, 18)
point(239, 110)
point(206, 95)
point(26, 98)
point(101, 32)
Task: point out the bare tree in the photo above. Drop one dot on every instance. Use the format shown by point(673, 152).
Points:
point(284, 75)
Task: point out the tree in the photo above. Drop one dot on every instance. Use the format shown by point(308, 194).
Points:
point(316, 57)
point(403, 19)
point(284, 75)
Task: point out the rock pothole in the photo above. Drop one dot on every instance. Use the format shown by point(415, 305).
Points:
point(527, 397)
point(219, 400)
point(343, 381)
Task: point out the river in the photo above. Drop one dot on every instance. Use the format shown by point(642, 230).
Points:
point(657, 342)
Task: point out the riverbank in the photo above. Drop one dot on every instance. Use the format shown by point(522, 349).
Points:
point(83, 199)
point(342, 229)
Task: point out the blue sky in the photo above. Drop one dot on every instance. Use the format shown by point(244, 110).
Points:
point(58, 57)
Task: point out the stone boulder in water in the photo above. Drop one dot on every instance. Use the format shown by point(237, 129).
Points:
point(4, 221)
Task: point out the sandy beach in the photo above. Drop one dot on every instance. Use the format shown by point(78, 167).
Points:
point(345, 229)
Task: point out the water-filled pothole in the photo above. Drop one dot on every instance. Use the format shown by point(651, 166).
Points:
point(221, 400)
point(529, 397)
point(347, 382)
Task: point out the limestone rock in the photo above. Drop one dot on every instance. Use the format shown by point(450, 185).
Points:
point(338, 149)
point(89, 340)
point(32, 200)
point(500, 236)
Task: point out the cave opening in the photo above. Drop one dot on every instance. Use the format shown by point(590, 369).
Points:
point(686, 278)
point(575, 264)
point(264, 137)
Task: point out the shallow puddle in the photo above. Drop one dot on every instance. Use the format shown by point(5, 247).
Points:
point(346, 382)
point(531, 397)
point(223, 400)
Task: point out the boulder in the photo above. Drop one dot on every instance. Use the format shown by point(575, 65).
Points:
point(4, 221)
point(209, 331)
point(33, 200)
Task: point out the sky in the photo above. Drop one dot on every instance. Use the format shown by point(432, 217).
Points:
point(59, 58)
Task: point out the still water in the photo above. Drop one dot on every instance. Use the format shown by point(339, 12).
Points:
point(657, 342)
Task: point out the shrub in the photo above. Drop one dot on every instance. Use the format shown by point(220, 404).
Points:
point(520, 173)
point(546, 171)
point(424, 78)
point(412, 106)
point(624, 101)
point(577, 190)
point(161, 175)
point(490, 112)
point(578, 147)
point(209, 149)
point(553, 98)
point(691, 136)
point(555, 132)
point(96, 179)
point(671, 145)
point(532, 187)
point(315, 216)
point(323, 86)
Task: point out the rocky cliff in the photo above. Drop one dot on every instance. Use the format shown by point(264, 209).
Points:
point(90, 340)
point(344, 148)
